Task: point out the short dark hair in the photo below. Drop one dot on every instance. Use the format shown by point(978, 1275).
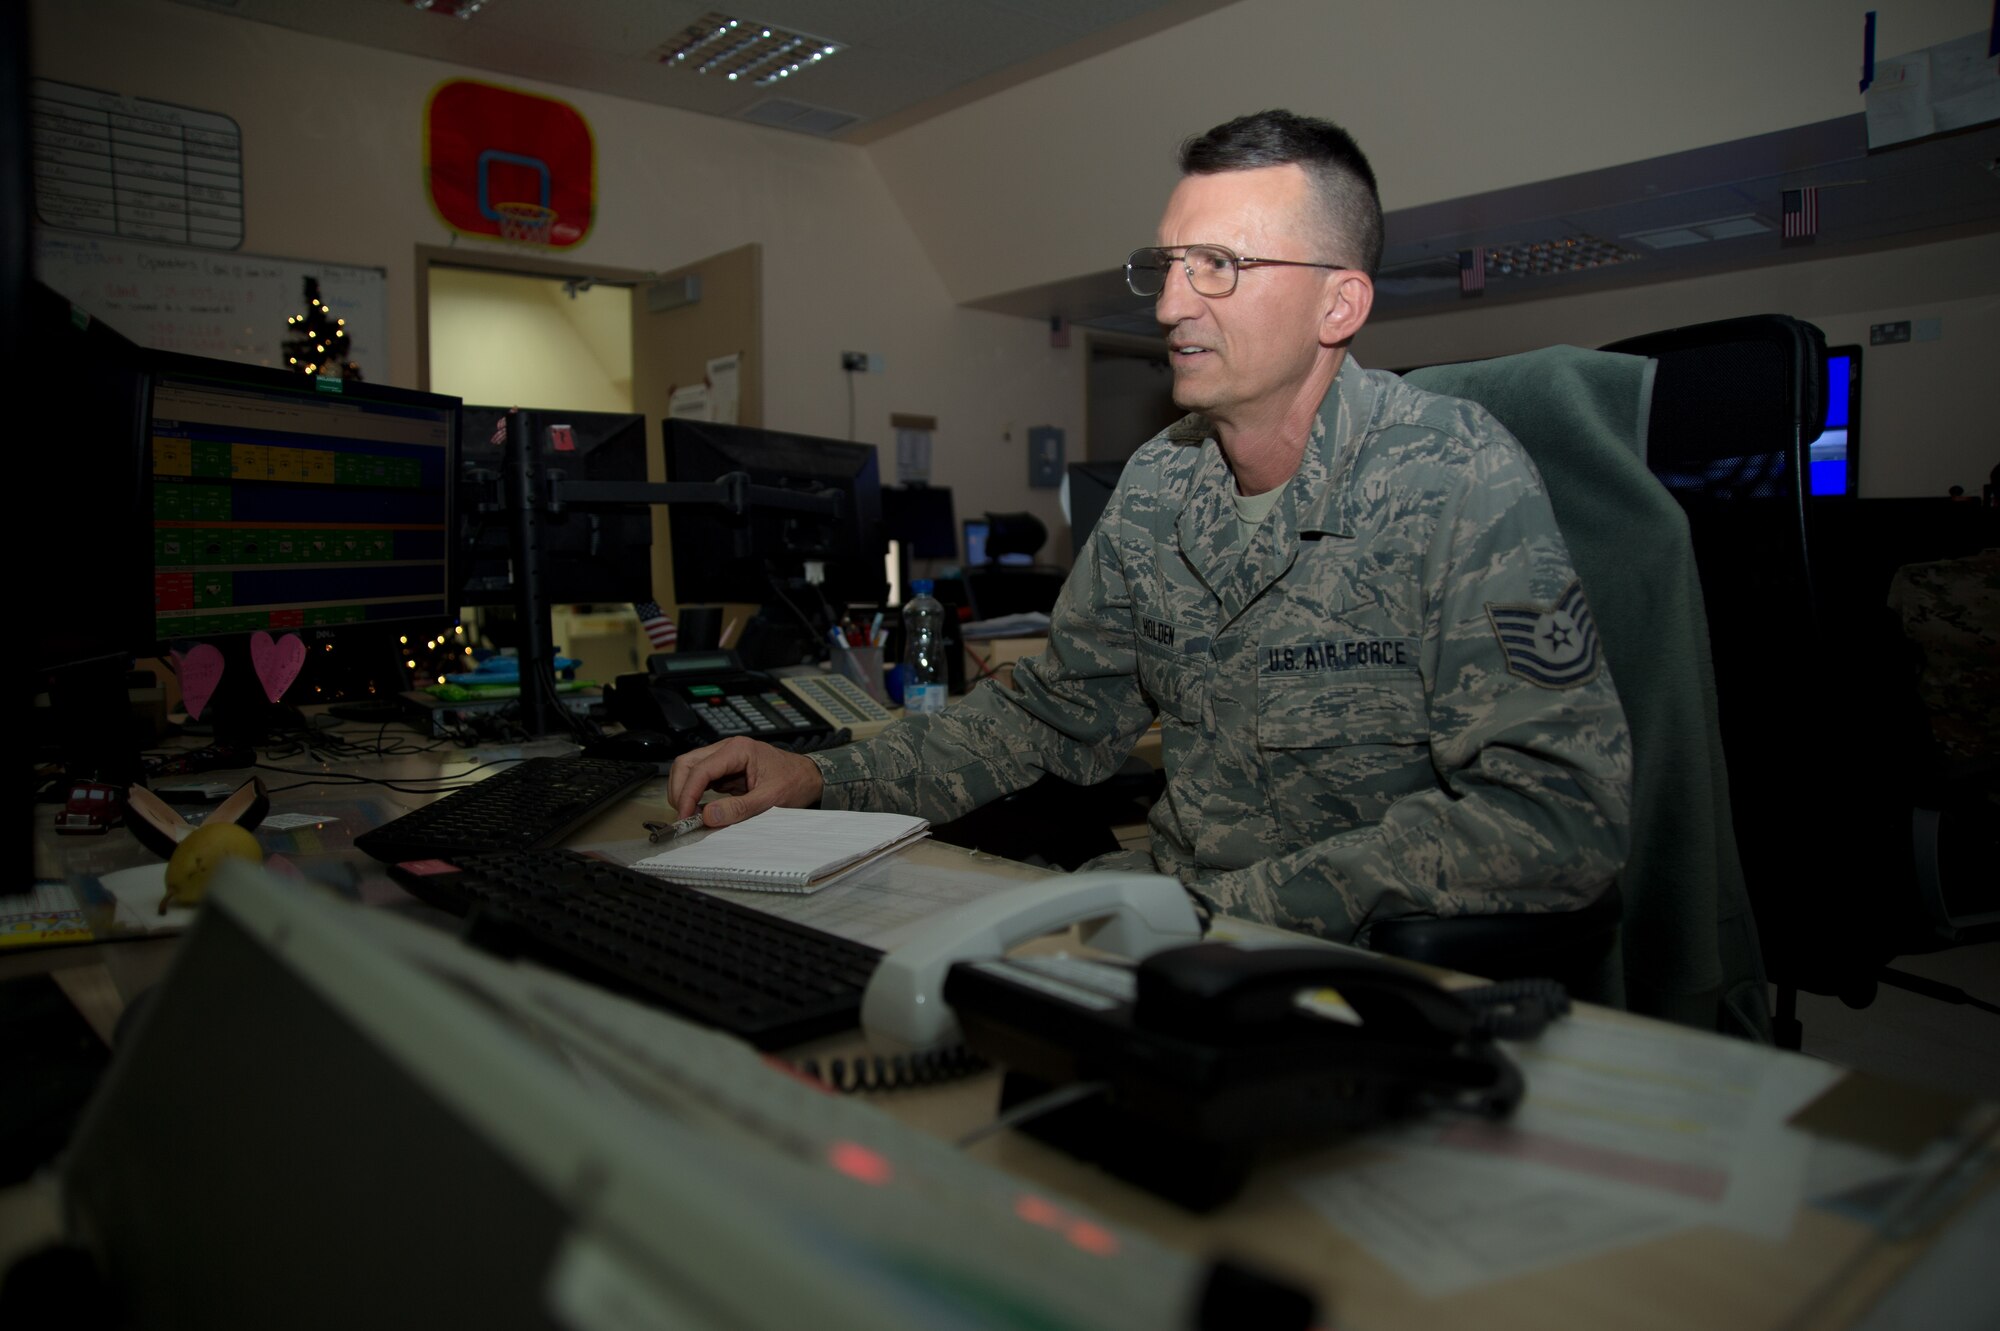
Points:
point(1341, 176)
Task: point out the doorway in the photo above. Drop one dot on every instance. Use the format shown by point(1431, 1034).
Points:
point(537, 339)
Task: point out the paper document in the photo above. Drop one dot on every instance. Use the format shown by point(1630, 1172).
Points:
point(785, 850)
point(1027, 624)
point(879, 904)
point(1629, 1130)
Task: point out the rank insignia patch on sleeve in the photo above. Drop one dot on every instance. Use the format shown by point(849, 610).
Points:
point(1553, 646)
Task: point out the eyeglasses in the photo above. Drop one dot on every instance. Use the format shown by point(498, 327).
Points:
point(1211, 269)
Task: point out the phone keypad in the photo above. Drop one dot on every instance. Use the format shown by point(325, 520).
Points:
point(748, 714)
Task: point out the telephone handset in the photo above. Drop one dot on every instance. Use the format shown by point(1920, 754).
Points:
point(1219, 991)
point(1131, 914)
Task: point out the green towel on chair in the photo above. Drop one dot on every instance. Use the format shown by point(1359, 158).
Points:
point(1688, 942)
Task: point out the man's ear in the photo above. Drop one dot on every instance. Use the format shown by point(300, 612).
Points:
point(1352, 298)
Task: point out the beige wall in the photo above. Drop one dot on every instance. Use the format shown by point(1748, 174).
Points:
point(1062, 176)
point(1927, 419)
point(502, 339)
point(333, 167)
point(873, 250)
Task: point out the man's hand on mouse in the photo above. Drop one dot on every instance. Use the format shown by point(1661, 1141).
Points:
point(752, 776)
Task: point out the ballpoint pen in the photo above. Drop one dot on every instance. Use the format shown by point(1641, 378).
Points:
point(668, 831)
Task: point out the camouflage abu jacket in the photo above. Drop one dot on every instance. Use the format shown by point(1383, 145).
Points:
point(1392, 703)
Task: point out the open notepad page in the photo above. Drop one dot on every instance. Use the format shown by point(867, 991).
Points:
point(787, 850)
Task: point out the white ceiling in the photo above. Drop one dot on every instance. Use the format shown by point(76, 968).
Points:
point(902, 60)
point(906, 60)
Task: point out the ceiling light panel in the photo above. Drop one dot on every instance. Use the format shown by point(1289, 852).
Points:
point(1696, 233)
point(739, 50)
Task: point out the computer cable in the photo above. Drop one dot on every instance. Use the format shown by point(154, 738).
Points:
point(581, 728)
point(1047, 1102)
point(405, 785)
point(1516, 1009)
point(814, 633)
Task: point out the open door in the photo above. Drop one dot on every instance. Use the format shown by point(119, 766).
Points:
point(680, 322)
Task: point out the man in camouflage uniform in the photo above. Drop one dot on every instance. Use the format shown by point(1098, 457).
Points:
point(1380, 689)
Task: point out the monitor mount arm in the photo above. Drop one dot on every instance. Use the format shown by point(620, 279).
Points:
point(734, 493)
point(529, 496)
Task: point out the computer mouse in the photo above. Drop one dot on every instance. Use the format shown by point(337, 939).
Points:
point(644, 746)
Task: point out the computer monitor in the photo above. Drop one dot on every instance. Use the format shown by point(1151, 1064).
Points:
point(85, 593)
point(770, 552)
point(921, 517)
point(1833, 460)
point(587, 553)
point(1090, 486)
point(976, 532)
point(87, 597)
point(282, 504)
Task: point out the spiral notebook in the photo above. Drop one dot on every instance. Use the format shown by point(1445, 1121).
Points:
point(787, 850)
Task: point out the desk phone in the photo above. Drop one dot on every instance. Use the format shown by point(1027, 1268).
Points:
point(836, 698)
point(705, 697)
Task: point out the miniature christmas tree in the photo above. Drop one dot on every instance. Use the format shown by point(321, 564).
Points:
point(318, 342)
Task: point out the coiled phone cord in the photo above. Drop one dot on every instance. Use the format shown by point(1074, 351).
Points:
point(1516, 1009)
point(892, 1072)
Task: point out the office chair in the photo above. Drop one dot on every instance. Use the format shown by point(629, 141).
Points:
point(1826, 771)
point(1674, 937)
point(998, 590)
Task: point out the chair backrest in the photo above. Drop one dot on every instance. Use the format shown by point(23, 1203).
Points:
point(1735, 404)
point(1688, 948)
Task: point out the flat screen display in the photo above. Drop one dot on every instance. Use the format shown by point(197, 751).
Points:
point(283, 503)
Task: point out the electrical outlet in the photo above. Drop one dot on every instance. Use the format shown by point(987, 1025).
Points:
point(852, 361)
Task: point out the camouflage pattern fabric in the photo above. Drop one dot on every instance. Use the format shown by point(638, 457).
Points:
point(1391, 703)
point(1950, 610)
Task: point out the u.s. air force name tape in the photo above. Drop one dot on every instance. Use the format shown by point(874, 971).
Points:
point(1340, 656)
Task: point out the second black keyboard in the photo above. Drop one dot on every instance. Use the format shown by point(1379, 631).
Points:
point(769, 980)
point(526, 807)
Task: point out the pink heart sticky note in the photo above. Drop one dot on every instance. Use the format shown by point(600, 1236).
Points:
point(277, 663)
point(201, 671)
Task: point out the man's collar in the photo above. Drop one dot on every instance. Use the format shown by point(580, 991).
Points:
point(1320, 484)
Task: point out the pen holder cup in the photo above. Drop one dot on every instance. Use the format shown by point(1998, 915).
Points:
point(863, 665)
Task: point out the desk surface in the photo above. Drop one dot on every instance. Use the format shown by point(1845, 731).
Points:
point(1825, 1270)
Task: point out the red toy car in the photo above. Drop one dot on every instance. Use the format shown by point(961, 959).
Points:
point(92, 807)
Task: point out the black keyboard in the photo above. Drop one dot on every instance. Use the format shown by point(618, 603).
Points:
point(766, 979)
point(526, 807)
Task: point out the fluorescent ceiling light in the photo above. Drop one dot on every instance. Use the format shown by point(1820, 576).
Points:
point(1697, 233)
point(740, 50)
point(450, 8)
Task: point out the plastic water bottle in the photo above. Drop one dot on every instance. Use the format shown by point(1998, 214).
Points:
point(923, 650)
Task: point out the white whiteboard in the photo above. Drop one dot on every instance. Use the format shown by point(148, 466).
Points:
point(229, 306)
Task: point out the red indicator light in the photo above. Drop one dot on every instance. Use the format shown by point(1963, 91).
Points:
point(1093, 1239)
point(1036, 1211)
point(859, 1163)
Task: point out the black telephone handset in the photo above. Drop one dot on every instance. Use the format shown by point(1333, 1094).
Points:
point(1217, 991)
point(704, 697)
point(1210, 1054)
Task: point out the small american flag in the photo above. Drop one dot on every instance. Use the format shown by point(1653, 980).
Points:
point(660, 630)
point(1472, 270)
point(1801, 213)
